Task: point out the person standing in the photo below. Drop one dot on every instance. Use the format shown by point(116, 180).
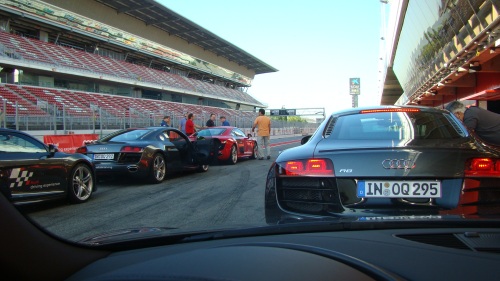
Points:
point(166, 122)
point(211, 121)
point(484, 123)
point(223, 121)
point(263, 123)
point(190, 125)
point(182, 123)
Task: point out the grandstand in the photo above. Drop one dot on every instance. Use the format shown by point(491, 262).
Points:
point(112, 64)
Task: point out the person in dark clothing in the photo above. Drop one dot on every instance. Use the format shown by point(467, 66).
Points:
point(484, 123)
point(166, 122)
point(211, 121)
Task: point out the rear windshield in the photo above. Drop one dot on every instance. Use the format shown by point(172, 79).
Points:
point(396, 126)
point(128, 135)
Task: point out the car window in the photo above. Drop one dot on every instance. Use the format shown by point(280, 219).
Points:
point(172, 135)
point(396, 126)
point(177, 139)
point(163, 136)
point(211, 132)
point(19, 143)
point(238, 133)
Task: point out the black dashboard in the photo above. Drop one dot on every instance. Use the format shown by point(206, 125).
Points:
point(390, 254)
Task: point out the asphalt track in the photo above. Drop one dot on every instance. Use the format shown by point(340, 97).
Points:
point(227, 196)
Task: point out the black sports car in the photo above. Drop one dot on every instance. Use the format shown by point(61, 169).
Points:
point(31, 171)
point(385, 160)
point(149, 152)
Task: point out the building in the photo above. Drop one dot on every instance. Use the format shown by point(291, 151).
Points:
point(437, 51)
point(117, 59)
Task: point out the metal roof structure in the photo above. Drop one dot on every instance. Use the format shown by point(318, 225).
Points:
point(392, 89)
point(155, 14)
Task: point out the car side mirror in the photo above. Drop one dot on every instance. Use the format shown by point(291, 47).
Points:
point(249, 135)
point(305, 139)
point(53, 149)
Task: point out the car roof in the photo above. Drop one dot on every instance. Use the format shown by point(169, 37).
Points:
point(14, 131)
point(219, 127)
point(10, 130)
point(359, 109)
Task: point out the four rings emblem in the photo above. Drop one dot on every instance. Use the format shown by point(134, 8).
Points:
point(398, 164)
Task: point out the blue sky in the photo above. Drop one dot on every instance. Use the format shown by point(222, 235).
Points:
point(316, 45)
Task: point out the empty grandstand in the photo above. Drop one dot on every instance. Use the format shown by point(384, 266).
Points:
point(75, 65)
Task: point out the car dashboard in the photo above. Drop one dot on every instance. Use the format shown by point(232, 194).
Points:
point(387, 254)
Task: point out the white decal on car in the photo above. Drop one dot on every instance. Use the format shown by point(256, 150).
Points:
point(20, 176)
point(345, 171)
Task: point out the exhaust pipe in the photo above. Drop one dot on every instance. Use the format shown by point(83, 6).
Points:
point(132, 168)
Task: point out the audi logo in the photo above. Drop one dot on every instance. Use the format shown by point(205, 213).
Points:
point(398, 164)
point(103, 148)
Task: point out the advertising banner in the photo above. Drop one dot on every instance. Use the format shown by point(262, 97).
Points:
point(69, 143)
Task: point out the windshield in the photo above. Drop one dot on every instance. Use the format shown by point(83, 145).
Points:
point(175, 117)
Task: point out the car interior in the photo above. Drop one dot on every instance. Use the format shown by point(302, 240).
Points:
point(419, 250)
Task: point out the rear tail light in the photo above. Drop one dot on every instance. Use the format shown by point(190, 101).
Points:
point(479, 194)
point(82, 149)
point(482, 167)
point(309, 167)
point(131, 149)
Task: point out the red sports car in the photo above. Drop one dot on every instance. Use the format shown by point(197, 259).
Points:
point(234, 144)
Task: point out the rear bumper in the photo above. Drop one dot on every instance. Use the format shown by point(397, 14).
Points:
point(302, 198)
point(123, 169)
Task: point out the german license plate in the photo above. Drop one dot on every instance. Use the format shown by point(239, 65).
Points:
point(399, 189)
point(110, 156)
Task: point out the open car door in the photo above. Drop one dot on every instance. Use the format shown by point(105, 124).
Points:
point(205, 150)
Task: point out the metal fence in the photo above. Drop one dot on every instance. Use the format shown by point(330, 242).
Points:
point(62, 121)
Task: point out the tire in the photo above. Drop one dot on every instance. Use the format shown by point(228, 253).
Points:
point(233, 156)
point(81, 183)
point(254, 152)
point(158, 169)
point(203, 168)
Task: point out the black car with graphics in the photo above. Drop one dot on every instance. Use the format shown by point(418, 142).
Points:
point(385, 160)
point(31, 171)
point(149, 153)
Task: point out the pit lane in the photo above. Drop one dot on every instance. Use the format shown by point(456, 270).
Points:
point(226, 196)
